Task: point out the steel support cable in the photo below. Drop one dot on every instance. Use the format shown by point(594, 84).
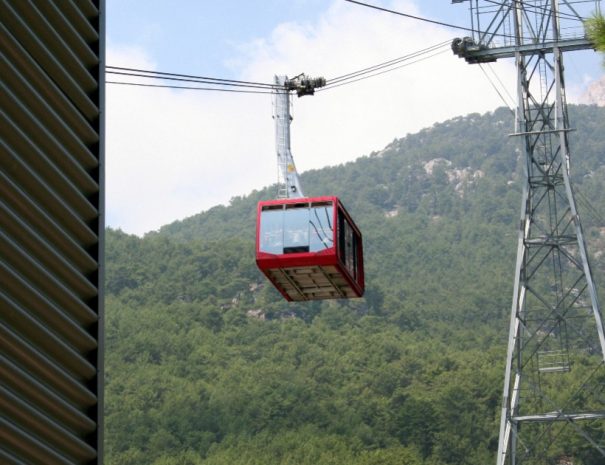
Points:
point(376, 72)
point(582, 203)
point(585, 201)
point(501, 83)
point(496, 89)
point(427, 20)
point(271, 88)
point(138, 84)
point(328, 87)
point(188, 76)
point(543, 9)
point(388, 63)
point(199, 81)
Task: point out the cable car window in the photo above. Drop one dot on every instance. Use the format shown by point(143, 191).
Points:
point(348, 245)
point(350, 249)
point(321, 228)
point(296, 231)
point(297, 228)
point(272, 231)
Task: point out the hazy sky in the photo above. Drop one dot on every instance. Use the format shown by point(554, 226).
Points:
point(174, 153)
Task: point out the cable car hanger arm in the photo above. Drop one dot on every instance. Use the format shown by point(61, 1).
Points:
point(289, 185)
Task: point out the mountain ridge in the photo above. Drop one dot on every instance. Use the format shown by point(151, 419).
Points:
point(207, 365)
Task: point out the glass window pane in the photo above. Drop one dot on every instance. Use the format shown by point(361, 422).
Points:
point(296, 234)
point(349, 249)
point(347, 245)
point(272, 231)
point(321, 228)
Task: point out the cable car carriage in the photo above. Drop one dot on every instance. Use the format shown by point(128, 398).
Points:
point(309, 248)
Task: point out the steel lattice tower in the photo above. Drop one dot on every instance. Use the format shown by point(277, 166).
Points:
point(553, 408)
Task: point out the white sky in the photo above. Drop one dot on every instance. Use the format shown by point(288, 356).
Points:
point(171, 153)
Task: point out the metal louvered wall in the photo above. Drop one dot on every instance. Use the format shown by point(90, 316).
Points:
point(51, 231)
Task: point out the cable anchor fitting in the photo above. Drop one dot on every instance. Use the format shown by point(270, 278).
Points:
point(465, 47)
point(304, 85)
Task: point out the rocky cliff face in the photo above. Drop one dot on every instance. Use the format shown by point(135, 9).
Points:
point(595, 93)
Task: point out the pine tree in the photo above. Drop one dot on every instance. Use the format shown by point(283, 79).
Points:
point(595, 30)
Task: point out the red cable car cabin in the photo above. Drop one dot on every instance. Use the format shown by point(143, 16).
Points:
point(309, 248)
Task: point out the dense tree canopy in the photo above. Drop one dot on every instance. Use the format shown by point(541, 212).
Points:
point(207, 364)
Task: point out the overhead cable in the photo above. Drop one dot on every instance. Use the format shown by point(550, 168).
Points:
point(345, 82)
point(496, 88)
point(216, 89)
point(489, 65)
point(534, 8)
point(588, 204)
point(426, 20)
point(387, 64)
point(199, 81)
point(263, 88)
point(186, 77)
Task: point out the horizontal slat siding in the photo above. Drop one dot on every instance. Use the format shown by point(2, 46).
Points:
point(70, 384)
point(63, 28)
point(51, 237)
point(6, 458)
point(28, 417)
point(50, 344)
point(80, 179)
point(36, 160)
point(50, 259)
point(80, 22)
point(36, 451)
point(37, 218)
point(45, 114)
point(46, 141)
point(88, 8)
point(36, 119)
point(53, 290)
point(36, 47)
point(55, 43)
point(46, 311)
point(44, 84)
point(18, 171)
point(17, 380)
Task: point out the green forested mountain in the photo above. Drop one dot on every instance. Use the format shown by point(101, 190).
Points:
point(207, 364)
